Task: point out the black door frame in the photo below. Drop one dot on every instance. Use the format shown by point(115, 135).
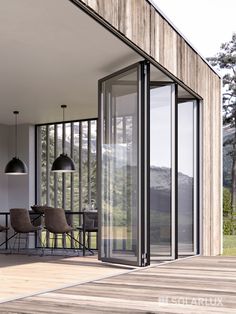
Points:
point(174, 124)
point(143, 253)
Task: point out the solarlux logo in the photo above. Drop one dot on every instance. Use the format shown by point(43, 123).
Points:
point(207, 301)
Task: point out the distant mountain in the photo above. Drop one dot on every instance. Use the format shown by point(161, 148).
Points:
point(160, 178)
point(160, 190)
point(93, 147)
point(160, 205)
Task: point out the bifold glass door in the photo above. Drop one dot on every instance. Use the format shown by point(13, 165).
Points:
point(187, 177)
point(162, 171)
point(174, 178)
point(147, 169)
point(123, 102)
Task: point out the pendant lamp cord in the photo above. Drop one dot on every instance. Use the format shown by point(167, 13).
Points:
point(16, 132)
point(63, 129)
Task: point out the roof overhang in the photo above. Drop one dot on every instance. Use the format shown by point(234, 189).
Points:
point(53, 53)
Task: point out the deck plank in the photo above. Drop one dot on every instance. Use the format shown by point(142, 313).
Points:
point(23, 275)
point(195, 285)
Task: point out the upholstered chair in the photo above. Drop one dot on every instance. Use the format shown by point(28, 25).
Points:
point(20, 221)
point(3, 228)
point(56, 223)
point(21, 224)
point(90, 225)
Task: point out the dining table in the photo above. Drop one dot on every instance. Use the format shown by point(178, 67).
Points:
point(35, 216)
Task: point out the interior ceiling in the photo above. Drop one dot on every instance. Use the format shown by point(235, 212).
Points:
point(52, 53)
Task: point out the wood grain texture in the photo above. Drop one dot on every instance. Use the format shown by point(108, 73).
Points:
point(140, 22)
point(196, 285)
point(23, 275)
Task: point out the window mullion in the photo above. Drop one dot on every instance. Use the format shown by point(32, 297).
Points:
point(72, 175)
point(89, 163)
point(47, 167)
point(80, 165)
point(55, 174)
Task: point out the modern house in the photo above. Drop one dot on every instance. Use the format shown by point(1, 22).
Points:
point(143, 124)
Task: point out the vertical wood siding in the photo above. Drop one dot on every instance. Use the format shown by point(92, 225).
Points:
point(140, 22)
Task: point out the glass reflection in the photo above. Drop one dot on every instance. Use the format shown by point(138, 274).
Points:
point(160, 171)
point(186, 164)
point(120, 168)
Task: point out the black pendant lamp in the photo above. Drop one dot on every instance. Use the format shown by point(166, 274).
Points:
point(16, 166)
point(63, 163)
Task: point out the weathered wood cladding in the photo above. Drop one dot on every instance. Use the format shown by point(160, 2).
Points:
point(140, 22)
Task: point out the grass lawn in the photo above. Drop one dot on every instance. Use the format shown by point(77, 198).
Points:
point(68, 242)
point(229, 245)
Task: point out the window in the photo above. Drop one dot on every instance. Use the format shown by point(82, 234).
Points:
point(72, 191)
point(174, 181)
point(161, 209)
point(187, 177)
point(119, 183)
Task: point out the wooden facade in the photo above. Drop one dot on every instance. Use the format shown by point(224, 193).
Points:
point(143, 25)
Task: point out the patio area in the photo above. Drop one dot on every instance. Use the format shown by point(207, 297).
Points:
point(191, 285)
point(23, 275)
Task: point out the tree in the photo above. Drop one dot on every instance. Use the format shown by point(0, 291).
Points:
point(225, 60)
point(227, 212)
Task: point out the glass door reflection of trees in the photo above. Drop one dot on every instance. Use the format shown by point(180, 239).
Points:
point(173, 174)
point(119, 188)
point(161, 172)
point(187, 177)
point(120, 160)
point(73, 191)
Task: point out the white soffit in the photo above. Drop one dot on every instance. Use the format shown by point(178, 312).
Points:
point(52, 53)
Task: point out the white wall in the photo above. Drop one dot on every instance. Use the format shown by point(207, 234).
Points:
point(4, 139)
point(17, 191)
point(21, 189)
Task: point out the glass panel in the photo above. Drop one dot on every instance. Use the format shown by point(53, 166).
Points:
point(76, 161)
point(119, 190)
point(43, 164)
point(67, 178)
point(186, 171)
point(59, 175)
point(69, 191)
point(85, 202)
point(50, 185)
point(50, 160)
point(160, 171)
point(93, 164)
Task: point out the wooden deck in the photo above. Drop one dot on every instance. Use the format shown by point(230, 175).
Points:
point(22, 275)
point(194, 285)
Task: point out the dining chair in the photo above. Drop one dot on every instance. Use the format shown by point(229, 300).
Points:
point(90, 225)
point(56, 223)
point(21, 224)
point(3, 228)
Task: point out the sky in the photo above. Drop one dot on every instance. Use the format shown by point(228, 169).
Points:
point(205, 23)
